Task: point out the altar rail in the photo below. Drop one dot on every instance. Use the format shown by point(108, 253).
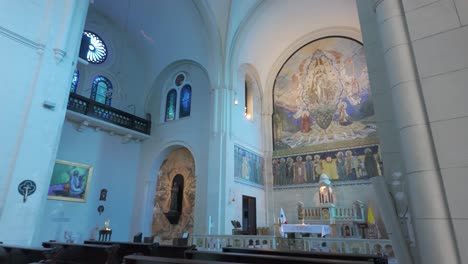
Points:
point(86, 106)
point(336, 245)
point(340, 213)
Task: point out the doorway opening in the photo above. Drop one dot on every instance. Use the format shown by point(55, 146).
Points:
point(249, 215)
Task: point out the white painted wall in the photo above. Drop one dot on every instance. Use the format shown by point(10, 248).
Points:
point(125, 66)
point(40, 50)
point(192, 132)
point(115, 167)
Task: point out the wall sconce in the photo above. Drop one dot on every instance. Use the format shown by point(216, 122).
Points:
point(236, 101)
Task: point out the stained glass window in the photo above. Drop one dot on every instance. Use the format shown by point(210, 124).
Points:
point(179, 79)
point(74, 82)
point(185, 101)
point(102, 90)
point(171, 103)
point(96, 50)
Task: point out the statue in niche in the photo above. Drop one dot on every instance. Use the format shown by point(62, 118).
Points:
point(174, 196)
point(175, 206)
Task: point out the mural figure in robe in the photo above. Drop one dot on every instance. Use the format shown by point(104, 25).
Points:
point(77, 184)
point(275, 167)
point(309, 168)
point(317, 168)
point(340, 166)
point(329, 168)
point(290, 170)
point(305, 123)
point(351, 165)
point(282, 172)
point(370, 163)
point(299, 171)
point(245, 167)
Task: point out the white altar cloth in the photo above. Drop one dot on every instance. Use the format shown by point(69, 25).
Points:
point(314, 229)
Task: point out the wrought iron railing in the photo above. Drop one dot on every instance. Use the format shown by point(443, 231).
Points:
point(88, 107)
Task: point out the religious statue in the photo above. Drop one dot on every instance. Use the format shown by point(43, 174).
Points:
point(175, 200)
point(174, 196)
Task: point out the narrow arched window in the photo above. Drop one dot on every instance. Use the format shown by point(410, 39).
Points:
point(102, 90)
point(171, 103)
point(74, 82)
point(185, 101)
point(248, 100)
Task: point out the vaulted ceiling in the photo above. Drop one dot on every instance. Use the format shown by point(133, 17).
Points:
point(213, 32)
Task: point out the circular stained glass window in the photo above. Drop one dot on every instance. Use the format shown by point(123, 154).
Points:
point(179, 79)
point(97, 50)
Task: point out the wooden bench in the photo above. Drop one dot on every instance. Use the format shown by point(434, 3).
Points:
point(82, 253)
point(125, 248)
point(136, 259)
point(167, 251)
point(304, 254)
point(257, 258)
point(21, 255)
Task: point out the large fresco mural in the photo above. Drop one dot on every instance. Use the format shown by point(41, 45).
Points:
point(248, 166)
point(350, 164)
point(322, 99)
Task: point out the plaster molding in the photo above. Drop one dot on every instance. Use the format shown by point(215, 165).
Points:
point(59, 55)
point(81, 126)
point(39, 47)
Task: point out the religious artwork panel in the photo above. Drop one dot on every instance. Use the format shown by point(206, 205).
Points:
point(350, 164)
point(322, 99)
point(69, 181)
point(248, 166)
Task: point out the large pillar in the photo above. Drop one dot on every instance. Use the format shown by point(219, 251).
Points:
point(435, 240)
point(268, 168)
point(40, 49)
point(216, 195)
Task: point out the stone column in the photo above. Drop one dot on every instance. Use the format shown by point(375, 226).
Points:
point(268, 170)
point(435, 240)
point(43, 46)
point(216, 196)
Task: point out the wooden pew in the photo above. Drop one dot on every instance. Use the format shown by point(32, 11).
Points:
point(82, 253)
point(12, 254)
point(147, 249)
point(167, 251)
point(136, 259)
point(257, 258)
point(304, 254)
point(125, 248)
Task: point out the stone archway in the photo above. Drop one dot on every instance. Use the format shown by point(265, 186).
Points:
point(178, 163)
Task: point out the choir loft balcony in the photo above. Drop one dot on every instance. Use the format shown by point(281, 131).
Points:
point(89, 113)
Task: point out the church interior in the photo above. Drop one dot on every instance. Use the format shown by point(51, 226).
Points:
point(307, 125)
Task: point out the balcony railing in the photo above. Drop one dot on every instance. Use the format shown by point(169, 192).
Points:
point(88, 107)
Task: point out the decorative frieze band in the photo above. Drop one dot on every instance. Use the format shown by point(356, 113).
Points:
point(22, 40)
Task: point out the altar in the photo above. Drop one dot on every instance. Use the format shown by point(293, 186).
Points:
point(303, 228)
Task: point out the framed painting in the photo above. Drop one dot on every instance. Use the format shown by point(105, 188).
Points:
point(69, 181)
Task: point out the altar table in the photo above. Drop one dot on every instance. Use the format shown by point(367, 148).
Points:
point(314, 229)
